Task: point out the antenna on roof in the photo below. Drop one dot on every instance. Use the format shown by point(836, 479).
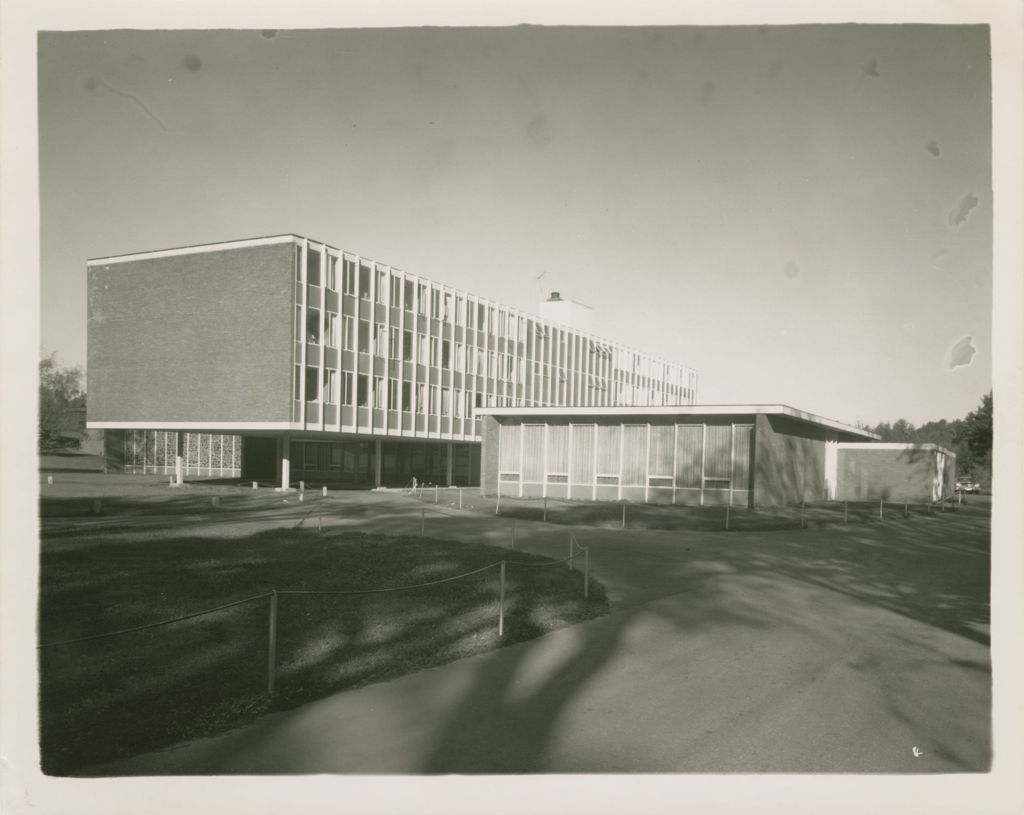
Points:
point(539, 286)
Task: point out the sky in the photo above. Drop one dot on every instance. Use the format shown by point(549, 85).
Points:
point(801, 213)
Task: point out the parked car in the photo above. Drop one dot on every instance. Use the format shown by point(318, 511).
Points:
point(968, 486)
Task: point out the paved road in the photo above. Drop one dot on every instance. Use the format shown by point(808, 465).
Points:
point(807, 651)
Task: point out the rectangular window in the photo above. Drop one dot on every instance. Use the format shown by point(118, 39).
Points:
point(421, 295)
point(380, 339)
point(409, 290)
point(457, 403)
point(433, 399)
point(502, 323)
point(435, 304)
point(446, 361)
point(382, 286)
point(346, 384)
point(332, 273)
point(407, 346)
point(362, 390)
point(406, 396)
point(491, 321)
point(330, 392)
point(460, 310)
point(396, 291)
point(348, 275)
point(689, 455)
point(421, 401)
point(313, 267)
point(434, 351)
point(741, 435)
point(470, 314)
point(364, 281)
point(378, 392)
point(313, 325)
point(347, 328)
point(447, 313)
point(393, 394)
point(396, 337)
point(312, 384)
point(331, 328)
point(445, 402)
point(364, 336)
point(481, 316)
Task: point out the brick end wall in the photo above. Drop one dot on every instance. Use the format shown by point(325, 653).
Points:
point(203, 337)
point(789, 462)
point(891, 475)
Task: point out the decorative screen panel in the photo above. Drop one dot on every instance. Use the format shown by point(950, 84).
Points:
point(581, 470)
point(558, 448)
point(634, 455)
point(689, 454)
point(533, 452)
point(741, 456)
point(718, 456)
point(662, 443)
point(508, 454)
point(609, 439)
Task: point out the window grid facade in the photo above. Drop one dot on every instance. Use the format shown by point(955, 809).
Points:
point(476, 351)
point(667, 463)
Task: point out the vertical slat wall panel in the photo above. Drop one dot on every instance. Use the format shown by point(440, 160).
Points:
point(741, 465)
point(508, 452)
point(533, 453)
point(558, 449)
point(662, 441)
point(634, 455)
point(608, 441)
point(689, 438)
point(718, 459)
point(581, 470)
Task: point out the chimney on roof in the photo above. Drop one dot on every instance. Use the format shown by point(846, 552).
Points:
point(554, 296)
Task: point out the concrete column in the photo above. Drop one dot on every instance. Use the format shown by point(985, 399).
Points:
point(451, 452)
point(179, 458)
point(285, 459)
point(376, 462)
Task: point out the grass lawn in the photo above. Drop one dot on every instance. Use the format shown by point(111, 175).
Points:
point(111, 698)
point(609, 514)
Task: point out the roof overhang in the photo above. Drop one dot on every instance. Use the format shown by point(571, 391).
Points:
point(678, 410)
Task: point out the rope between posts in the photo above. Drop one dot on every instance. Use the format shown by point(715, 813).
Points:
point(393, 588)
point(156, 625)
point(524, 563)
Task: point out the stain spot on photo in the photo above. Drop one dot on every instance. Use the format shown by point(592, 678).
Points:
point(791, 269)
point(959, 213)
point(871, 69)
point(933, 148)
point(193, 63)
point(963, 353)
point(268, 33)
point(90, 84)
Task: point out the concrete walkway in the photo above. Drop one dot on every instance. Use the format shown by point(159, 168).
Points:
point(805, 651)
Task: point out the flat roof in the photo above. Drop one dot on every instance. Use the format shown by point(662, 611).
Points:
point(678, 410)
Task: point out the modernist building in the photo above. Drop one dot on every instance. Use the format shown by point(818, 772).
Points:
point(736, 455)
point(283, 358)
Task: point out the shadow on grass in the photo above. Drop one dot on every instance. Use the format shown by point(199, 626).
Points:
point(107, 699)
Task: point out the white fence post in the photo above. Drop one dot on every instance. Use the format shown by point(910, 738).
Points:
point(272, 644)
point(501, 602)
point(586, 573)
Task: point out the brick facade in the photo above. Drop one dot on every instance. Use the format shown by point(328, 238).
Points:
point(906, 473)
point(192, 338)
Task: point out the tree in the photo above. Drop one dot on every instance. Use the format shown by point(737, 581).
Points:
point(974, 440)
point(60, 390)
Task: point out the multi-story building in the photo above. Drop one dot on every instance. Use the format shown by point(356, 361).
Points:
point(283, 358)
